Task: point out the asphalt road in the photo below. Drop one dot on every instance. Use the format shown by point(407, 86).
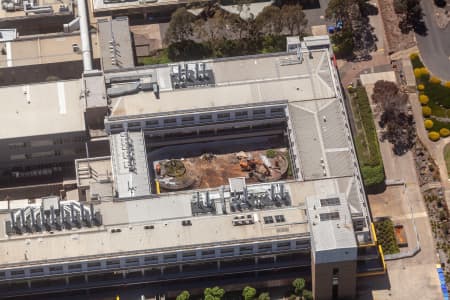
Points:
point(435, 46)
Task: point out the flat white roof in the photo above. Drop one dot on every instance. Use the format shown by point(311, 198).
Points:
point(41, 109)
point(333, 237)
point(239, 81)
point(130, 168)
point(165, 212)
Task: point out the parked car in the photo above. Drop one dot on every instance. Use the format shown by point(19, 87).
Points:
point(440, 3)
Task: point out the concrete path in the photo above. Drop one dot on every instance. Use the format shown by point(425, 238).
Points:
point(436, 149)
point(416, 275)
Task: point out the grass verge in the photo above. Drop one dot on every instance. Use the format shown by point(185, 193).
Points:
point(161, 57)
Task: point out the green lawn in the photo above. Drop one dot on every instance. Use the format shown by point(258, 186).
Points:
point(386, 236)
point(438, 93)
point(447, 157)
point(416, 62)
point(437, 125)
point(159, 58)
point(437, 110)
point(366, 139)
point(439, 96)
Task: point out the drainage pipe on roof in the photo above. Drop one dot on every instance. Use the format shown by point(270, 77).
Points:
point(85, 36)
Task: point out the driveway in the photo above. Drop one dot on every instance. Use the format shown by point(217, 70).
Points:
point(435, 46)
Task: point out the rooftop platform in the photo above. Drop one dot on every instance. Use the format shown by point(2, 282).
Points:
point(44, 49)
point(165, 213)
point(333, 238)
point(238, 82)
point(130, 168)
point(41, 109)
point(101, 6)
point(115, 43)
point(54, 7)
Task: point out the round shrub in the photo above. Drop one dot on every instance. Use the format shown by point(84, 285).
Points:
point(422, 73)
point(434, 136)
point(447, 84)
point(435, 80)
point(426, 111)
point(444, 132)
point(417, 72)
point(424, 99)
point(420, 87)
point(413, 55)
point(428, 123)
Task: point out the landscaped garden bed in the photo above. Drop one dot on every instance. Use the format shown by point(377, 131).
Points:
point(434, 95)
point(384, 228)
point(366, 141)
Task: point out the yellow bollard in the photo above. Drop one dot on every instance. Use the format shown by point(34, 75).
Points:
point(158, 190)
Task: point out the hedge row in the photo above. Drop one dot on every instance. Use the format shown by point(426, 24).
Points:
point(371, 163)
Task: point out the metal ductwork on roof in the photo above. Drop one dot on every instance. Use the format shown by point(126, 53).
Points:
point(85, 36)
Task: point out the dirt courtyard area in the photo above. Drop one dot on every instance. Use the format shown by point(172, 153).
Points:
point(209, 170)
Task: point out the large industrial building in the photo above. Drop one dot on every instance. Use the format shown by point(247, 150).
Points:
point(235, 169)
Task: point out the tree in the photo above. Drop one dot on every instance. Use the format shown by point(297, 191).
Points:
point(212, 28)
point(307, 295)
point(299, 285)
point(400, 130)
point(214, 293)
point(180, 26)
point(264, 296)
point(270, 20)
point(410, 14)
point(184, 295)
point(249, 293)
point(388, 97)
point(294, 19)
point(237, 25)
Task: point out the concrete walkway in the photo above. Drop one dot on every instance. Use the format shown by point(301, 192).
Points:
point(436, 149)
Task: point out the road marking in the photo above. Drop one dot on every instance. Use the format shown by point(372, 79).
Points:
point(408, 216)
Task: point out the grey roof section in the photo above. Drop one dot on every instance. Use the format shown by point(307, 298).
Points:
point(130, 167)
point(95, 91)
point(41, 109)
point(165, 213)
point(163, 208)
point(333, 238)
point(238, 81)
point(353, 198)
point(115, 43)
point(8, 34)
point(340, 163)
point(317, 41)
point(322, 139)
